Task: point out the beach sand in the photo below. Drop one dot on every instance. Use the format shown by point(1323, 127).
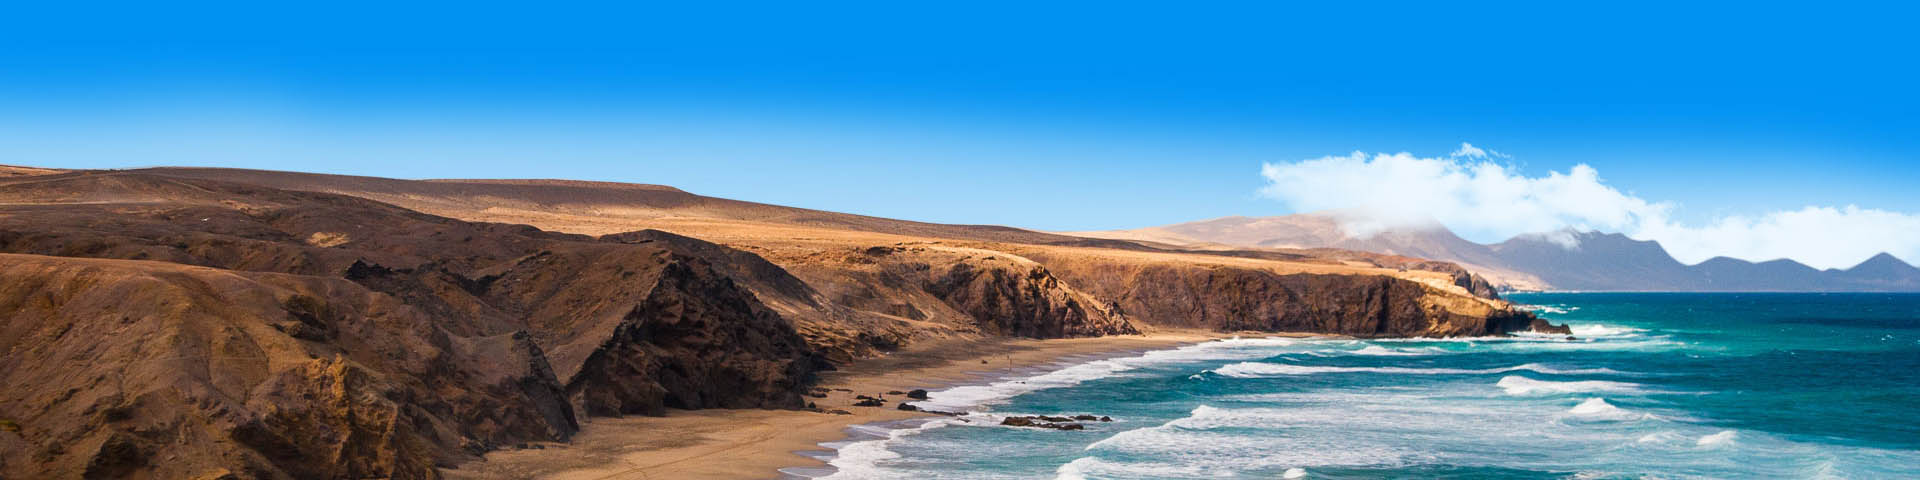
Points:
point(736, 444)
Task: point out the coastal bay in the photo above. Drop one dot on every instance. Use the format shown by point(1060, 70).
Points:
point(756, 443)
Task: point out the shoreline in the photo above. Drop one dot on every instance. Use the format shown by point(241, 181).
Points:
point(755, 443)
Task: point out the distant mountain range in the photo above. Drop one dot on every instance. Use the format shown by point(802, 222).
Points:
point(1564, 261)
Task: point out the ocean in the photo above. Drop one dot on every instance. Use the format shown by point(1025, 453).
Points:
point(1653, 385)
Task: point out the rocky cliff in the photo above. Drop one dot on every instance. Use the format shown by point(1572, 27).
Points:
point(1231, 298)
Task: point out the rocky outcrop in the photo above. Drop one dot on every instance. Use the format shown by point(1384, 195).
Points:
point(1025, 302)
point(940, 289)
point(1230, 298)
point(678, 349)
point(1542, 326)
point(1469, 281)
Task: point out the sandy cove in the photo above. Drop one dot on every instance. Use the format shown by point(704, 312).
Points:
point(735, 444)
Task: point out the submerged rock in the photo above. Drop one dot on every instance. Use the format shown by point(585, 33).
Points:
point(1042, 421)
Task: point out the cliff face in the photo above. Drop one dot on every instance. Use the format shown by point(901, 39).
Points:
point(1025, 302)
point(1230, 298)
point(931, 289)
point(684, 339)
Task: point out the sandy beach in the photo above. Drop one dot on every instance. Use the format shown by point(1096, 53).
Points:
point(735, 444)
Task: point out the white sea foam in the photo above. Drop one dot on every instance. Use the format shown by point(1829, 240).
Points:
point(1594, 406)
point(1595, 330)
point(1539, 368)
point(1522, 386)
point(1218, 436)
point(1295, 472)
point(1717, 439)
point(965, 397)
point(1376, 350)
point(860, 460)
point(1545, 308)
point(1080, 468)
point(1599, 409)
point(1264, 369)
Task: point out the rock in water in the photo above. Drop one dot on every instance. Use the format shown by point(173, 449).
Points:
point(1541, 325)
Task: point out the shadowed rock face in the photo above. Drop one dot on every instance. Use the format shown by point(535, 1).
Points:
point(1024, 302)
point(300, 335)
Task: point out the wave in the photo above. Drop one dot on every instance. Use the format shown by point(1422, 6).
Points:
point(1595, 330)
point(1219, 437)
point(1376, 350)
point(1523, 386)
point(1080, 468)
point(1540, 368)
point(965, 397)
point(1544, 308)
point(1263, 369)
point(861, 460)
point(1599, 409)
point(1717, 439)
point(1662, 436)
point(1594, 406)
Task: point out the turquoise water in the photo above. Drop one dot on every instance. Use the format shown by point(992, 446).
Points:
point(1655, 385)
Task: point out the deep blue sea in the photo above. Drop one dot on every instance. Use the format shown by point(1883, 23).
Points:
point(1654, 385)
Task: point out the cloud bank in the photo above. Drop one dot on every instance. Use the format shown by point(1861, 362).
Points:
point(1470, 194)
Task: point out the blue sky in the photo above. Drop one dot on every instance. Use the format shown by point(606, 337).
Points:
point(1062, 117)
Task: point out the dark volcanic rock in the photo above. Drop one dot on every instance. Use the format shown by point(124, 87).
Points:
point(1029, 303)
point(1042, 421)
point(917, 394)
point(1543, 326)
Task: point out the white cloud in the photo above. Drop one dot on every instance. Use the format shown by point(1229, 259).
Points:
point(1467, 150)
point(1487, 201)
point(1822, 237)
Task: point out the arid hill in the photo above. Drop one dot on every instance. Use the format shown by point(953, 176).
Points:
point(194, 323)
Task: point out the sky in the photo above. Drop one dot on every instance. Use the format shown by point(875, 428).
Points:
point(1067, 116)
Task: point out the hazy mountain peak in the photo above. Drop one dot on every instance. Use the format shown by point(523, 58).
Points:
point(1568, 259)
point(1884, 265)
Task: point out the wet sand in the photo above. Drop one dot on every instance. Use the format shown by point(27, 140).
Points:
point(737, 444)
